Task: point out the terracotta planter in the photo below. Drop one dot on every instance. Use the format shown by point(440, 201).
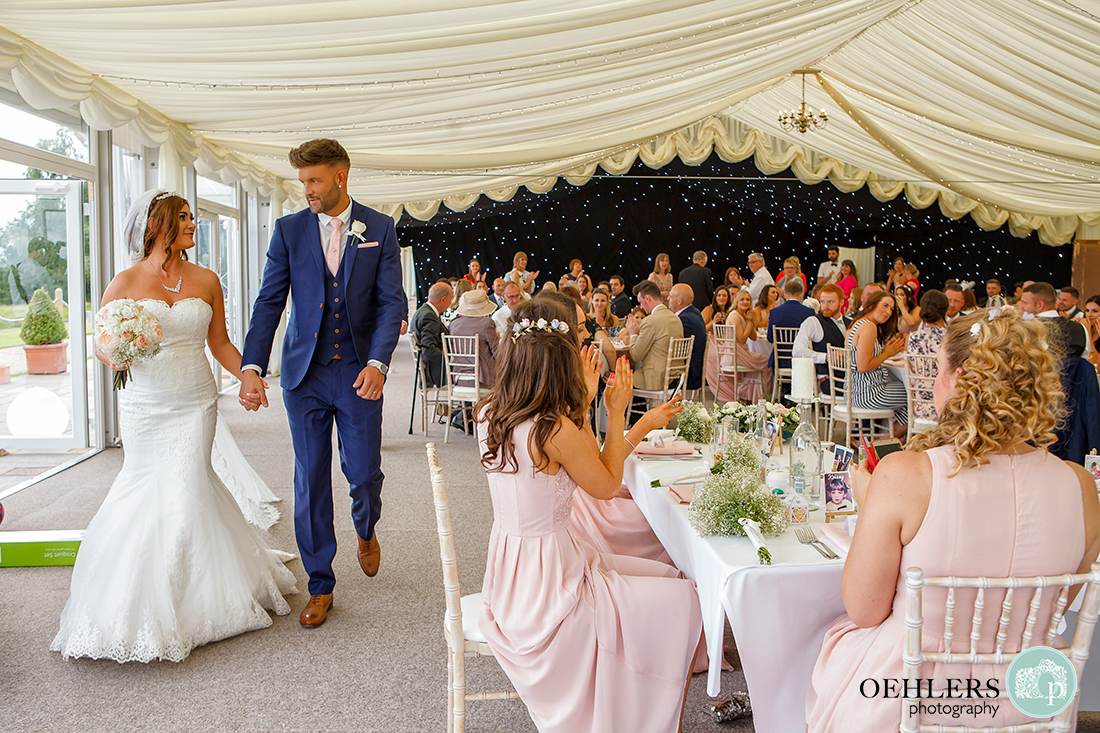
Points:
point(47, 359)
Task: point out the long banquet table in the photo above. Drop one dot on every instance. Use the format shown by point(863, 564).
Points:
point(778, 613)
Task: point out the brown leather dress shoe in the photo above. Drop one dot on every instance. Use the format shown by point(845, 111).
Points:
point(370, 554)
point(316, 611)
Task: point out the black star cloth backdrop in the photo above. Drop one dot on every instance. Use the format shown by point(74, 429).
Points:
point(617, 225)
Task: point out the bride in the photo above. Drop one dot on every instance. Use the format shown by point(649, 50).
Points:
point(169, 562)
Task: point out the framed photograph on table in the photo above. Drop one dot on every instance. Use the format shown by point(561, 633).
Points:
point(838, 495)
point(1092, 465)
point(842, 458)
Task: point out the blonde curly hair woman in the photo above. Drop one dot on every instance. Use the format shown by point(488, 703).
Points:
point(977, 495)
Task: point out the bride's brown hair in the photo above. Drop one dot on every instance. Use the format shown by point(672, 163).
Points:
point(164, 216)
point(539, 378)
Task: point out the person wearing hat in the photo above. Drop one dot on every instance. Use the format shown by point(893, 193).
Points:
point(473, 319)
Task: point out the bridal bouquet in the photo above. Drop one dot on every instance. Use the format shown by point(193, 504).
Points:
point(124, 333)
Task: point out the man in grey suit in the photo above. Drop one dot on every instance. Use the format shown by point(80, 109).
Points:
point(429, 330)
point(697, 277)
point(650, 343)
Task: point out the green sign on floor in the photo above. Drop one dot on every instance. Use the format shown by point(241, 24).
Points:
point(35, 549)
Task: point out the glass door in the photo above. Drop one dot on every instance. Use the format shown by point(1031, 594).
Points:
point(45, 324)
point(218, 248)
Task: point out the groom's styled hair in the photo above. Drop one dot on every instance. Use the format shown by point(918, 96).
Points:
point(323, 151)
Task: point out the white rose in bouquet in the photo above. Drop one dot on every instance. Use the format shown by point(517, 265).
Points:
point(125, 333)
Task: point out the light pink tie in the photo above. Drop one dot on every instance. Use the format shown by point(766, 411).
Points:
point(332, 254)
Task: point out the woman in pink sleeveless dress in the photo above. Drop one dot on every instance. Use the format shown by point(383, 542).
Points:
point(592, 642)
point(977, 495)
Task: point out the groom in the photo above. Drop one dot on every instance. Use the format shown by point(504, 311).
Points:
point(341, 263)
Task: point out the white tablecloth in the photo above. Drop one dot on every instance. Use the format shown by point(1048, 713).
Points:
point(778, 613)
point(761, 345)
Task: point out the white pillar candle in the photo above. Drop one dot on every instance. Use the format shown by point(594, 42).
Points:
point(803, 378)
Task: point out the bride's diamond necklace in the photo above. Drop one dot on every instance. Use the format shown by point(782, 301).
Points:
point(179, 283)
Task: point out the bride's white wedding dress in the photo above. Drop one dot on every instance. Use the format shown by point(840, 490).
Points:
point(169, 562)
point(251, 493)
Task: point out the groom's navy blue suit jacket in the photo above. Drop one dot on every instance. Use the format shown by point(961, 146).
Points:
point(376, 302)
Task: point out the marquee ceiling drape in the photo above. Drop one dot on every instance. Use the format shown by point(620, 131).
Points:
point(986, 107)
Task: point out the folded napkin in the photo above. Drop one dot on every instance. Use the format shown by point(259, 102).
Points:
point(670, 448)
point(684, 493)
point(837, 536)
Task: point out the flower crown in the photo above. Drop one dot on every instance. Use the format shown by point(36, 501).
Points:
point(976, 328)
point(525, 326)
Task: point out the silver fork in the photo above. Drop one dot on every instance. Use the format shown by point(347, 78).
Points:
point(806, 536)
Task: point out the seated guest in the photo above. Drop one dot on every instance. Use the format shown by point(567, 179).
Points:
point(1070, 338)
point(977, 495)
point(768, 300)
point(546, 621)
point(650, 344)
point(993, 297)
point(512, 297)
point(497, 295)
point(718, 308)
point(460, 288)
point(1067, 302)
point(927, 340)
point(750, 385)
point(591, 331)
point(872, 340)
point(428, 328)
point(620, 299)
point(601, 311)
point(734, 281)
point(823, 330)
point(679, 302)
point(908, 309)
point(790, 314)
point(635, 318)
point(1091, 322)
point(956, 302)
point(697, 277)
point(473, 320)
point(1079, 433)
point(970, 303)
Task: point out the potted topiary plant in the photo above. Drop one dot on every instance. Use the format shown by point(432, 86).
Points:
point(43, 335)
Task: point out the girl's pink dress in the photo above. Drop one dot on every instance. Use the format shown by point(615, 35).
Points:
point(616, 526)
point(1016, 516)
point(591, 642)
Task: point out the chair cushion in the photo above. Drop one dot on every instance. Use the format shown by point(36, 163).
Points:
point(468, 394)
point(471, 607)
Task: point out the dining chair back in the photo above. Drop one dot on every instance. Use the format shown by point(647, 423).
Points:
point(872, 423)
point(782, 351)
point(725, 346)
point(1044, 601)
point(460, 629)
point(676, 363)
point(460, 363)
point(918, 391)
point(428, 395)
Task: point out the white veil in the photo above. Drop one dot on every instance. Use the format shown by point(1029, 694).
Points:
point(133, 231)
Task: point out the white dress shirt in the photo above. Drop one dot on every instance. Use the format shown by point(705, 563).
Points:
point(760, 280)
point(500, 318)
point(809, 332)
point(828, 273)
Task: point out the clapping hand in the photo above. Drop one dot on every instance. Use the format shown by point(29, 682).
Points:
point(620, 388)
point(894, 346)
point(590, 365)
point(659, 416)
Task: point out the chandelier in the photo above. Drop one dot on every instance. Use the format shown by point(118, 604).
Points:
point(803, 118)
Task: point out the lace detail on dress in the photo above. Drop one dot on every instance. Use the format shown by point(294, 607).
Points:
point(169, 562)
point(563, 498)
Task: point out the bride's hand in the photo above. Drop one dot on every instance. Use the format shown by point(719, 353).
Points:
point(253, 392)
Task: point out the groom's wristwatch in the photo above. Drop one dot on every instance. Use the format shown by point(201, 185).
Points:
point(379, 366)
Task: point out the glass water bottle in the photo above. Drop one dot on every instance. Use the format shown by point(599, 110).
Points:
point(805, 453)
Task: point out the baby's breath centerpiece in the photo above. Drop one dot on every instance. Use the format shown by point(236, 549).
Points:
point(695, 423)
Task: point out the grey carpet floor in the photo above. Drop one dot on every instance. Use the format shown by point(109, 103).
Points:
point(378, 664)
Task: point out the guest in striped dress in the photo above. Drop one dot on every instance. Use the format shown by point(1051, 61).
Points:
point(872, 340)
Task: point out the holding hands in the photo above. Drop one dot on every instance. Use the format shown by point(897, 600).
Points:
point(253, 392)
